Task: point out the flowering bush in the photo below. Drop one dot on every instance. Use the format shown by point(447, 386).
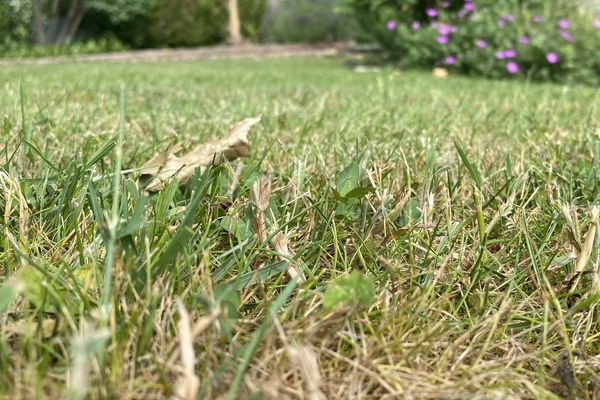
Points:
point(306, 21)
point(539, 39)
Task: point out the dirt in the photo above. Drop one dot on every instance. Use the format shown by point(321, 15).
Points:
point(200, 53)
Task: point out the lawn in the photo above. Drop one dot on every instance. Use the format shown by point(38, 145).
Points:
point(447, 230)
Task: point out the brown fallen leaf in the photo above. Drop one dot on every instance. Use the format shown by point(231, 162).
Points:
point(165, 166)
point(154, 165)
point(585, 256)
point(305, 360)
point(440, 73)
point(188, 383)
point(261, 191)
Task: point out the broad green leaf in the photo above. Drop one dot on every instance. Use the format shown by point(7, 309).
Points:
point(353, 288)
point(343, 209)
point(35, 289)
point(348, 179)
point(562, 261)
point(9, 292)
point(228, 300)
point(336, 295)
point(359, 192)
point(410, 214)
point(236, 227)
point(42, 294)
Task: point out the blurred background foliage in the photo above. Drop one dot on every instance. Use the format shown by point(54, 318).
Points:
point(556, 40)
point(79, 26)
point(308, 21)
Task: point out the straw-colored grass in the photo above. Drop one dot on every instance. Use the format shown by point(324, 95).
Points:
point(476, 226)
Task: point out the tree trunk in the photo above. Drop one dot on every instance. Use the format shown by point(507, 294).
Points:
point(72, 22)
point(55, 13)
point(39, 30)
point(75, 23)
point(235, 33)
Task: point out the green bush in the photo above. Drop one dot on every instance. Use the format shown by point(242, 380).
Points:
point(307, 21)
point(185, 23)
point(252, 13)
point(539, 39)
point(163, 23)
point(14, 21)
point(176, 23)
point(107, 43)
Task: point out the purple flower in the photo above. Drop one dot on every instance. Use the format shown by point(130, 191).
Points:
point(512, 67)
point(442, 39)
point(391, 25)
point(445, 29)
point(536, 18)
point(504, 19)
point(431, 12)
point(563, 23)
point(552, 57)
point(596, 23)
point(450, 60)
point(566, 35)
point(415, 26)
point(469, 6)
point(508, 53)
point(480, 43)
point(523, 39)
point(445, 4)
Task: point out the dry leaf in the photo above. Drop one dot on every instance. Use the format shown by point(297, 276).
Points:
point(305, 360)
point(440, 73)
point(188, 383)
point(165, 166)
point(588, 246)
point(260, 194)
point(261, 191)
point(197, 328)
point(585, 256)
point(153, 166)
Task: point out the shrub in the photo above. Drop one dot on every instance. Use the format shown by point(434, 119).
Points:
point(14, 21)
point(184, 23)
point(178, 23)
point(539, 39)
point(252, 13)
point(144, 23)
point(306, 21)
point(101, 45)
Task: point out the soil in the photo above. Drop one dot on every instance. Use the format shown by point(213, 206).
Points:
point(200, 53)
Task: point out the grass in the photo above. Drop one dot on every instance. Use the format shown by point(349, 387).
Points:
point(450, 225)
